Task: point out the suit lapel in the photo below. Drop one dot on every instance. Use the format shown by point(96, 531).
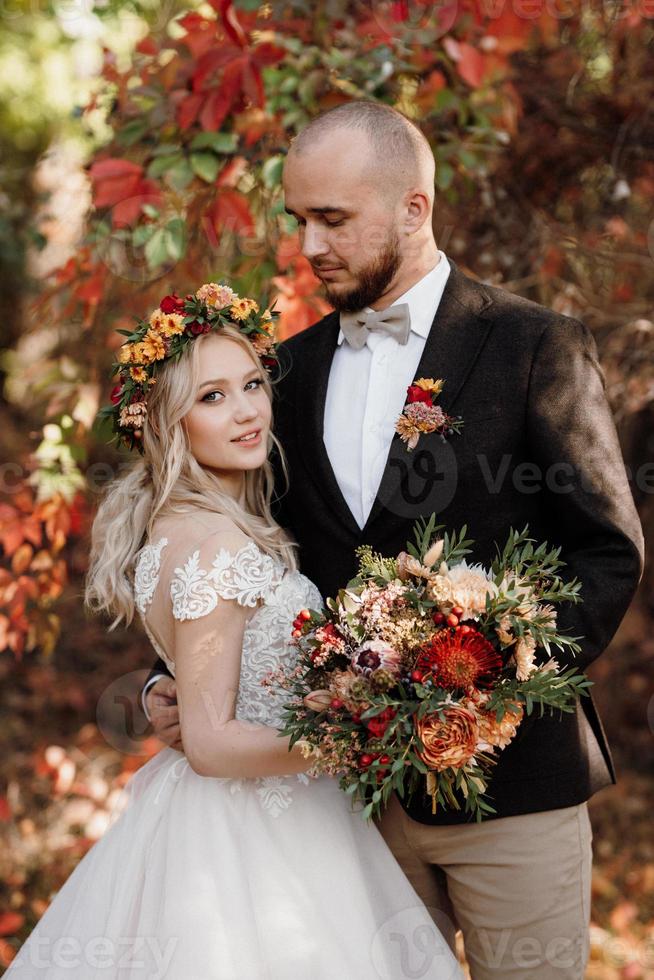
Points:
point(455, 340)
point(313, 376)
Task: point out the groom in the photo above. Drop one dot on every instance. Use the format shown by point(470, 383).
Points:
point(538, 447)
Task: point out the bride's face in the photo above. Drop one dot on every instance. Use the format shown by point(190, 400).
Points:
point(230, 403)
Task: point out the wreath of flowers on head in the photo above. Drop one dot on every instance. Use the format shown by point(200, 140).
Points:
point(173, 325)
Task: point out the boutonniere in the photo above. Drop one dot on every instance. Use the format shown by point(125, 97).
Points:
point(422, 414)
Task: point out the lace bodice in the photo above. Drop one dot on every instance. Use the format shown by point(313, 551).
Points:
point(253, 579)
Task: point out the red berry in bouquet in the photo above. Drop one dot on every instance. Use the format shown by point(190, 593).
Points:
point(459, 658)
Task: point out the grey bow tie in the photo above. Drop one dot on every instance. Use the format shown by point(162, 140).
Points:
point(395, 321)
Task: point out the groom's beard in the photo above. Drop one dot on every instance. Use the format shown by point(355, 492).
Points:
point(372, 280)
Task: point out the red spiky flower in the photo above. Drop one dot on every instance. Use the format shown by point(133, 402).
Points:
point(459, 658)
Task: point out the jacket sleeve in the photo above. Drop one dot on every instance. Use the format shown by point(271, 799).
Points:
point(589, 503)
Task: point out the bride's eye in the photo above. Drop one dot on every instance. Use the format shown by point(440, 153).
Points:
point(255, 381)
point(207, 397)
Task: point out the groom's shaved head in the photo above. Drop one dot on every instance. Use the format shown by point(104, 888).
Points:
point(399, 155)
point(359, 180)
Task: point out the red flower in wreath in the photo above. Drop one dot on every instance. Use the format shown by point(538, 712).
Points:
point(172, 304)
point(195, 328)
point(459, 658)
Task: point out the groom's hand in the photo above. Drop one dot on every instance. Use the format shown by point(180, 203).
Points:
point(161, 701)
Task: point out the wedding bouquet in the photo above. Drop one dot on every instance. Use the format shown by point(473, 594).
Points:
point(422, 668)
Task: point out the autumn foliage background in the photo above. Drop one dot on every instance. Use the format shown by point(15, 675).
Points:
point(145, 155)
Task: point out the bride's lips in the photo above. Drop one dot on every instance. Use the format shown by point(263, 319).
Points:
point(255, 441)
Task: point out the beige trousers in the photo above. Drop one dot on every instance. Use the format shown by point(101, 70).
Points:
point(517, 887)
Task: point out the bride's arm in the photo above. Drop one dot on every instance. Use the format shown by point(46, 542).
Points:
point(208, 661)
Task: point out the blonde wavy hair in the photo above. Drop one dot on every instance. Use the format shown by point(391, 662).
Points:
point(168, 479)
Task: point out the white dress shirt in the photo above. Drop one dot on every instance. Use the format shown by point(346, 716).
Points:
point(366, 393)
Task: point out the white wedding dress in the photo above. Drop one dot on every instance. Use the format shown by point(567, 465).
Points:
point(203, 878)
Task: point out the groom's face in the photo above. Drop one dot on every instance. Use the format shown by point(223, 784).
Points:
point(347, 219)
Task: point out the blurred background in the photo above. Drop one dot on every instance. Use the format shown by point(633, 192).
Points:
point(141, 148)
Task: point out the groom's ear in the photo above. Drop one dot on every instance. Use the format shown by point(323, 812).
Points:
point(417, 210)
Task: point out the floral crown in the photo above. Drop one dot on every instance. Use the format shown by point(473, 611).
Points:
point(170, 328)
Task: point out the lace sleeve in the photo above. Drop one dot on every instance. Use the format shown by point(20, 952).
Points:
point(245, 574)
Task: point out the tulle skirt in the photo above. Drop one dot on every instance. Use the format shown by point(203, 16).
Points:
point(200, 878)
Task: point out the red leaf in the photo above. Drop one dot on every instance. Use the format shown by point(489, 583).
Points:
point(187, 110)
point(211, 63)
point(92, 289)
point(230, 21)
point(253, 84)
point(231, 212)
point(127, 212)
point(193, 22)
point(113, 180)
point(220, 100)
point(10, 923)
point(201, 33)
point(147, 46)
point(267, 54)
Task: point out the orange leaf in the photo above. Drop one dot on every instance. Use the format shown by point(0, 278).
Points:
point(21, 559)
point(232, 172)
point(510, 30)
point(298, 313)
point(4, 634)
point(7, 952)
point(471, 65)
point(15, 529)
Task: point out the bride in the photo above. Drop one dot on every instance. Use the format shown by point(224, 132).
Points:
point(233, 860)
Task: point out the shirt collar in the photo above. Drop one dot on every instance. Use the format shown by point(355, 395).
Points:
point(423, 298)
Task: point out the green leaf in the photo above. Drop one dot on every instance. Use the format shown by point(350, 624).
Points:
point(218, 142)
point(156, 249)
point(206, 165)
point(132, 132)
point(181, 175)
point(444, 176)
point(161, 164)
point(272, 171)
point(165, 149)
point(175, 239)
point(140, 236)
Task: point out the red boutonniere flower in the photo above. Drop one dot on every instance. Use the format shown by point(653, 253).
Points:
point(421, 414)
